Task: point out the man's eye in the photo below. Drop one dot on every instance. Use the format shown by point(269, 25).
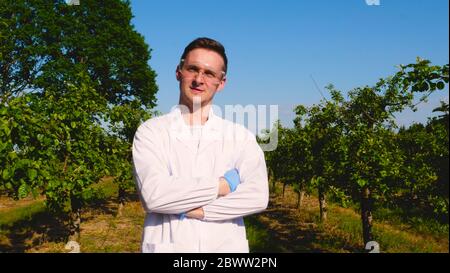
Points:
point(210, 74)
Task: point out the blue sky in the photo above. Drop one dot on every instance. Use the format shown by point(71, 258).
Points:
point(275, 48)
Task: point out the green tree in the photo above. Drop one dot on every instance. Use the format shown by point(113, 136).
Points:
point(272, 157)
point(425, 148)
point(354, 148)
point(369, 116)
point(323, 135)
point(74, 85)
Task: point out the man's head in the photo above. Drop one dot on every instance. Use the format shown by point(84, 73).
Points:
point(210, 44)
point(202, 71)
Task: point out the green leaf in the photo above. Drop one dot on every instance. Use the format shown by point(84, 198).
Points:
point(3, 111)
point(361, 182)
point(23, 190)
point(6, 174)
point(32, 173)
point(7, 131)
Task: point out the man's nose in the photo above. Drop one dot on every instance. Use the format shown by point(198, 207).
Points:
point(199, 77)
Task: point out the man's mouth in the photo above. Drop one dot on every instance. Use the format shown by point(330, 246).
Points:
point(196, 90)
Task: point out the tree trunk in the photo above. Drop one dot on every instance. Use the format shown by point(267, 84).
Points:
point(274, 185)
point(366, 215)
point(322, 205)
point(75, 220)
point(284, 187)
point(300, 195)
point(121, 200)
point(412, 196)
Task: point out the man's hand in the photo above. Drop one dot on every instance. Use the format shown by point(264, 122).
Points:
point(229, 182)
point(196, 213)
point(224, 188)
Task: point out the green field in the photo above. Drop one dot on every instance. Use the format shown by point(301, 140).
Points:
point(25, 226)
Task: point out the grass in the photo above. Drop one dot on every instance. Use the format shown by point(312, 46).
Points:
point(284, 228)
point(11, 216)
point(398, 232)
point(417, 224)
point(258, 236)
point(345, 225)
point(26, 227)
point(103, 231)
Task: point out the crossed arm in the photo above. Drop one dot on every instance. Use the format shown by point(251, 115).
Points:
point(224, 189)
point(161, 193)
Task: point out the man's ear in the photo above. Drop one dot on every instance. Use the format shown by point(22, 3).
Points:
point(221, 84)
point(177, 73)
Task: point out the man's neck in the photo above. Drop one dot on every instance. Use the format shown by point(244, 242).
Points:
point(195, 116)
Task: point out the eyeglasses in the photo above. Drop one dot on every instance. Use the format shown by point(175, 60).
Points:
point(191, 71)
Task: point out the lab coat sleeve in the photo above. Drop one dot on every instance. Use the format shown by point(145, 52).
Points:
point(251, 195)
point(159, 191)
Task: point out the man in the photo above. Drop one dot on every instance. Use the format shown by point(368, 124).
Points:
point(198, 174)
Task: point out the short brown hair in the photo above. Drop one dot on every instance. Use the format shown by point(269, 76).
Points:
point(207, 43)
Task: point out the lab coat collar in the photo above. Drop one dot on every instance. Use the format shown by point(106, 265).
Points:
point(178, 124)
point(211, 130)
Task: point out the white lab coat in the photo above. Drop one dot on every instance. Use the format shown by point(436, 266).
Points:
point(174, 173)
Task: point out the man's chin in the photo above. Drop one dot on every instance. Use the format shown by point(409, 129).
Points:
point(196, 99)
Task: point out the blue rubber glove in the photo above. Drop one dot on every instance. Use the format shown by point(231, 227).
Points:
point(182, 215)
point(232, 177)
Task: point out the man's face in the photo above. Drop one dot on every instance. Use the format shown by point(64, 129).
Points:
point(201, 76)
